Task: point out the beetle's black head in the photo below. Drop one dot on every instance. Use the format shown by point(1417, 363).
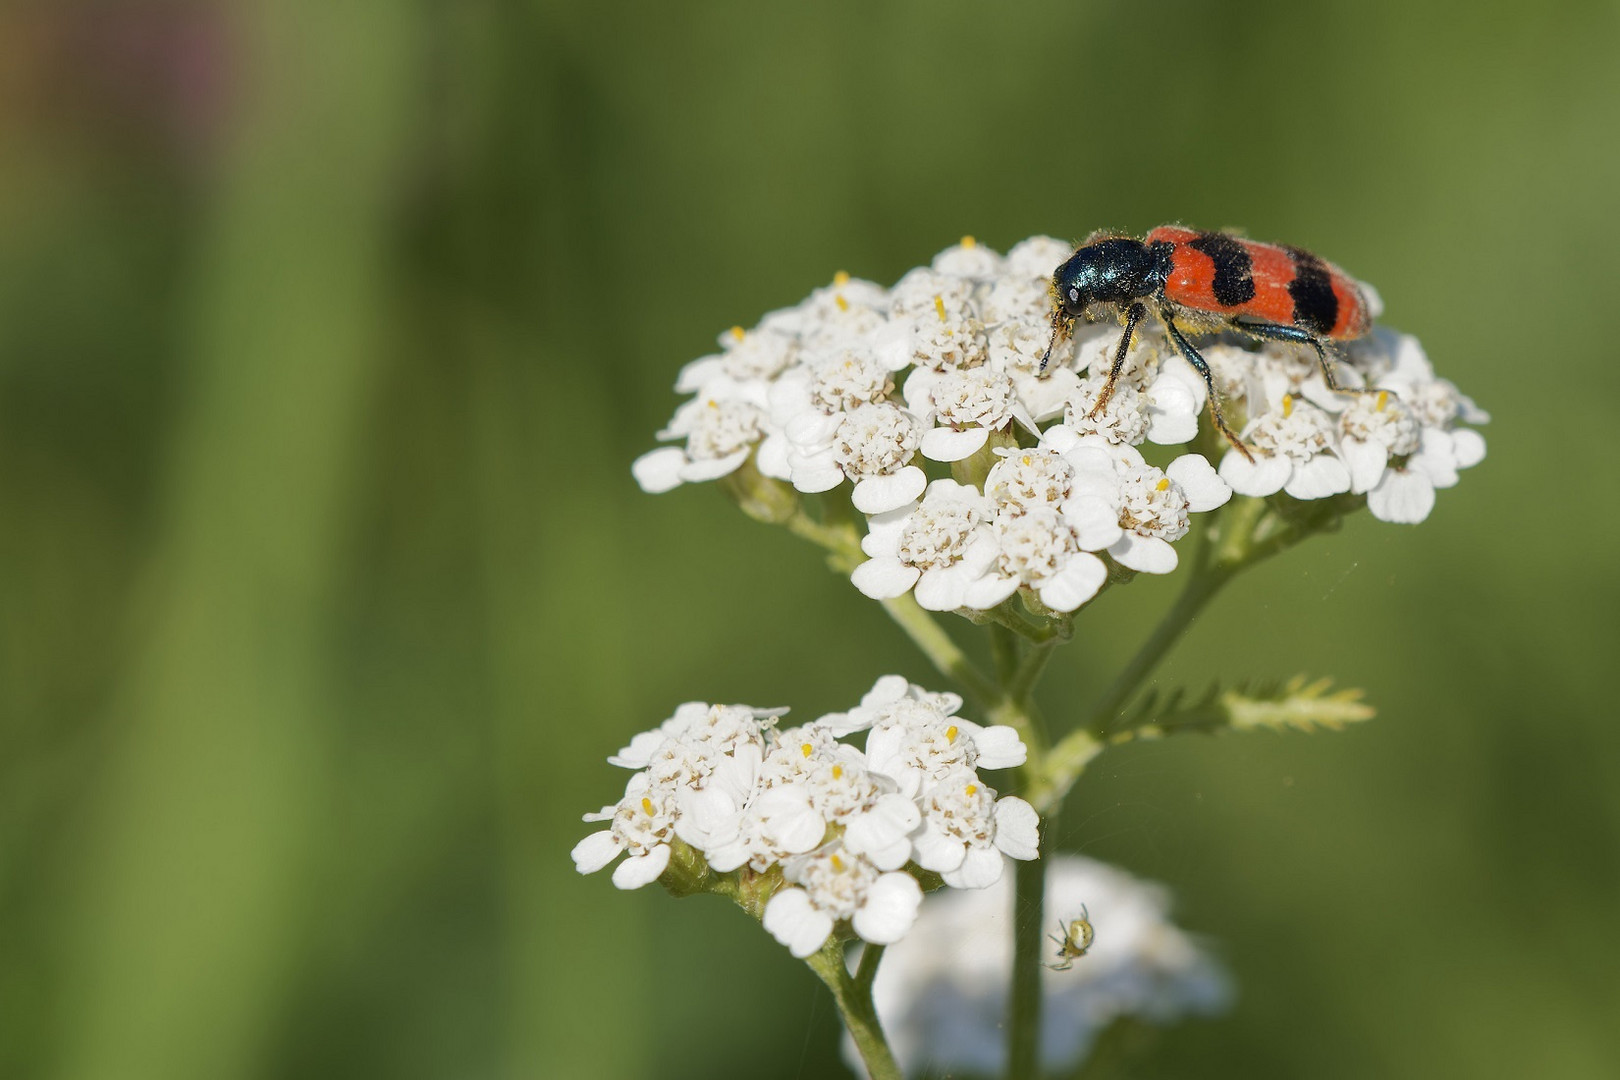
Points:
point(1113, 270)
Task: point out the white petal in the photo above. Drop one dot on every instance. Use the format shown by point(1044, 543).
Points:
point(728, 856)
point(1318, 478)
point(982, 552)
point(891, 345)
point(794, 921)
point(942, 589)
point(639, 870)
point(772, 458)
point(1060, 438)
point(1018, 828)
point(595, 852)
point(988, 591)
point(1076, 583)
point(937, 851)
point(999, 747)
point(659, 470)
point(1176, 368)
point(884, 578)
point(790, 820)
point(1095, 519)
point(1402, 497)
point(713, 468)
point(980, 869)
point(1265, 476)
point(898, 813)
point(886, 691)
point(812, 428)
point(1437, 460)
point(1366, 459)
point(877, 494)
point(891, 856)
point(883, 833)
point(883, 754)
point(697, 374)
point(890, 909)
point(818, 476)
point(789, 396)
point(1467, 447)
point(639, 754)
point(1147, 554)
point(707, 816)
point(1172, 412)
point(918, 393)
point(948, 444)
point(1204, 488)
point(884, 531)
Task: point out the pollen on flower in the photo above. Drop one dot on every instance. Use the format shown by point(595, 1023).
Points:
point(841, 279)
point(646, 806)
point(738, 333)
point(951, 733)
point(939, 307)
point(969, 242)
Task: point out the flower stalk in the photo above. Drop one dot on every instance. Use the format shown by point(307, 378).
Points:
point(853, 993)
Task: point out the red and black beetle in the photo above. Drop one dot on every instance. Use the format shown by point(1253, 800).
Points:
point(1209, 280)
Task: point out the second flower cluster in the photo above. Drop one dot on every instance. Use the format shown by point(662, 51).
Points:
point(850, 830)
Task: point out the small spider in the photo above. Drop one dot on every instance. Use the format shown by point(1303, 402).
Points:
point(1075, 942)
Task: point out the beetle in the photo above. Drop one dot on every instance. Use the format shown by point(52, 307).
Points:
point(1075, 942)
point(1209, 281)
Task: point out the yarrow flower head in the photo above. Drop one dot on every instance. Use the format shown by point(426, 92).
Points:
point(875, 391)
point(825, 828)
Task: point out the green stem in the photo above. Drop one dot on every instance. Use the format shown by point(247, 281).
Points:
point(1004, 646)
point(844, 554)
point(1024, 1010)
point(1022, 686)
point(1227, 548)
point(854, 998)
point(941, 651)
point(1201, 587)
point(867, 970)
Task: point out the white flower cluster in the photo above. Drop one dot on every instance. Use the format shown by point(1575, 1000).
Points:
point(843, 824)
point(1396, 446)
point(867, 385)
point(942, 993)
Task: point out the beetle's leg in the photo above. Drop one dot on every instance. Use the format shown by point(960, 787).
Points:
point(1277, 332)
point(1133, 315)
point(1198, 362)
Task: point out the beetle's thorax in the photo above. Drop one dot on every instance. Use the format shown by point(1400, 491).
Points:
point(1115, 270)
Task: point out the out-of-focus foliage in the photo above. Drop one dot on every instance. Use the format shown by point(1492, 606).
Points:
point(328, 332)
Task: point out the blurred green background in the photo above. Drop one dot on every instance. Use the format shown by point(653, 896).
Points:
point(328, 333)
